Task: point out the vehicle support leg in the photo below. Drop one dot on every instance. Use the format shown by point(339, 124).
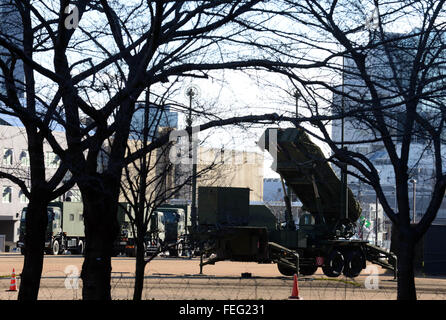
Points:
point(297, 264)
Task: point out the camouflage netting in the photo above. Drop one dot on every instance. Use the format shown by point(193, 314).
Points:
point(298, 159)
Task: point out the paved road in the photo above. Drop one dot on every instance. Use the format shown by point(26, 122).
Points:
point(179, 279)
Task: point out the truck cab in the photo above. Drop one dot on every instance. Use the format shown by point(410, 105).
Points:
point(65, 228)
point(156, 233)
point(53, 228)
point(174, 220)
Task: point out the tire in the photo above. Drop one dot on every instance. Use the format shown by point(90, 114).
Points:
point(308, 270)
point(81, 247)
point(180, 250)
point(145, 249)
point(334, 264)
point(354, 263)
point(55, 248)
point(286, 270)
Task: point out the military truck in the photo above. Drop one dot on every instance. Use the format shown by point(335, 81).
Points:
point(125, 242)
point(166, 229)
point(156, 233)
point(323, 236)
point(65, 229)
point(224, 231)
point(174, 224)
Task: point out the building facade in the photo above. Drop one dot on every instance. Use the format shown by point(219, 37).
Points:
point(157, 117)
point(11, 29)
point(15, 160)
point(225, 168)
point(421, 164)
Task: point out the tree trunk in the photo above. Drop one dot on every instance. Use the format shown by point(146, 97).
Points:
point(96, 269)
point(101, 230)
point(139, 270)
point(35, 231)
point(406, 255)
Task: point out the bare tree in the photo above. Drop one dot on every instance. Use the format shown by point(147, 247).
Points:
point(98, 57)
point(148, 44)
point(150, 181)
point(20, 100)
point(392, 92)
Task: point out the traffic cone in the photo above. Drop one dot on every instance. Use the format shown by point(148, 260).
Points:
point(295, 292)
point(13, 286)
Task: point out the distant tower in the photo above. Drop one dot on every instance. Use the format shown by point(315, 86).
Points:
point(11, 29)
point(159, 117)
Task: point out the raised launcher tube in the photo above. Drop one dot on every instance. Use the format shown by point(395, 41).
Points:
point(306, 171)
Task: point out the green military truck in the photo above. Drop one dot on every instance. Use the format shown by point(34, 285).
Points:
point(155, 233)
point(225, 232)
point(125, 242)
point(174, 219)
point(323, 237)
point(166, 230)
point(65, 229)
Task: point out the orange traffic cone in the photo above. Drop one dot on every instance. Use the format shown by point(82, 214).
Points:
point(295, 292)
point(13, 286)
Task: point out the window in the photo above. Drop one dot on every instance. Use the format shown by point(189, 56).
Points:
point(7, 156)
point(24, 158)
point(51, 160)
point(22, 197)
point(7, 194)
point(73, 195)
point(71, 217)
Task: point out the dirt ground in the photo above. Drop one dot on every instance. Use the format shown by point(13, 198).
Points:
point(179, 279)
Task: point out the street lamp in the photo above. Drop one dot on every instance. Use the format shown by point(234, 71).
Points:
point(297, 95)
point(376, 220)
point(192, 92)
point(414, 183)
point(376, 214)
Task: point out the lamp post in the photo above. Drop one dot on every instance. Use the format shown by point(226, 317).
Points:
point(376, 220)
point(376, 213)
point(414, 183)
point(297, 95)
point(192, 92)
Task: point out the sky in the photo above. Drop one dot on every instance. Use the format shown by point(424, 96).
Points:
point(244, 95)
point(241, 95)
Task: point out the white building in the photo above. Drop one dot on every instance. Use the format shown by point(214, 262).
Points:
point(15, 160)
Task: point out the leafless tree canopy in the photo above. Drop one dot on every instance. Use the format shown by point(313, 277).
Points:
point(85, 64)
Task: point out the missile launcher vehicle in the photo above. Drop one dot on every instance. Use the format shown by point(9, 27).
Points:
point(323, 236)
